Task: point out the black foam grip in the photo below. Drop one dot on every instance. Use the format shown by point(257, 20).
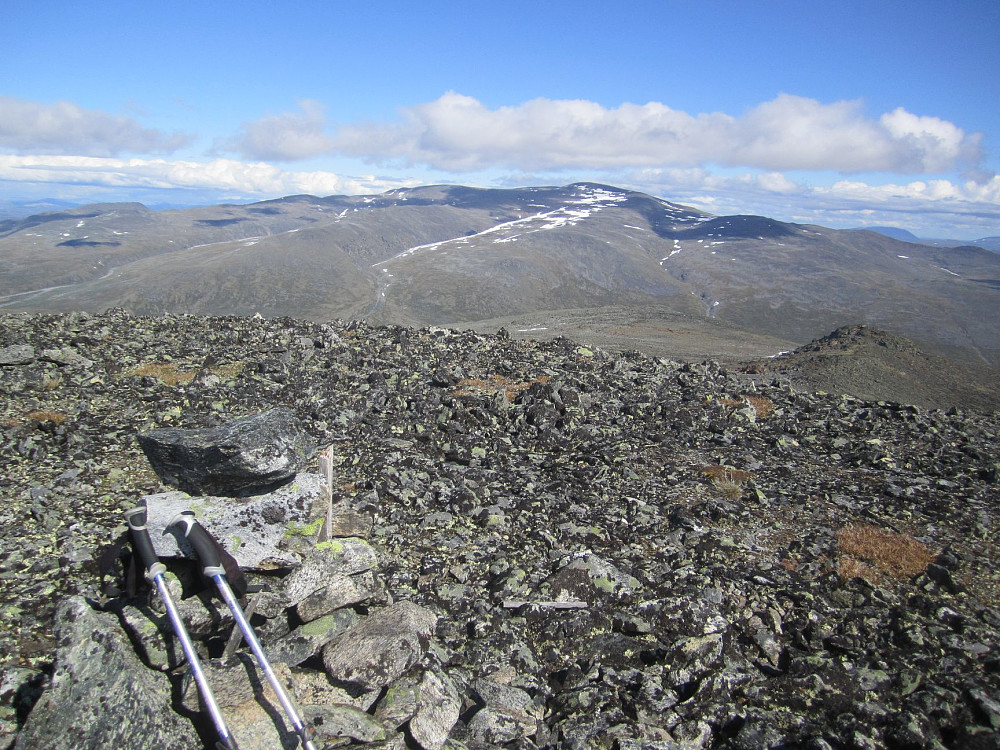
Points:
point(141, 543)
point(204, 545)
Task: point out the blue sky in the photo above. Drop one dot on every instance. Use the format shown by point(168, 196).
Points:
point(838, 113)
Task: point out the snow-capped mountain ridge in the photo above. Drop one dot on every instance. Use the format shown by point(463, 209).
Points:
point(448, 254)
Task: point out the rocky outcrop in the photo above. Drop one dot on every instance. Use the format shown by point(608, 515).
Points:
point(616, 550)
point(873, 364)
point(101, 695)
point(306, 612)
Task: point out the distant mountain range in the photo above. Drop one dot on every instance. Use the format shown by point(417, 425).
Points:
point(19, 209)
point(619, 265)
point(990, 243)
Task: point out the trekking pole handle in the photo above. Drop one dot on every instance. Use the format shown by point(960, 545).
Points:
point(203, 545)
point(142, 544)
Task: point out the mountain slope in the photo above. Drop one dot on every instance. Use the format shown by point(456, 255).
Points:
point(460, 256)
point(872, 364)
point(594, 247)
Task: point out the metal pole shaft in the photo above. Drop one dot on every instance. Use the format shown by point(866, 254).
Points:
point(298, 722)
point(142, 546)
point(226, 739)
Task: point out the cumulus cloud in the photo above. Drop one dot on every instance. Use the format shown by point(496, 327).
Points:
point(245, 178)
point(931, 208)
point(936, 144)
point(459, 133)
point(66, 128)
point(289, 136)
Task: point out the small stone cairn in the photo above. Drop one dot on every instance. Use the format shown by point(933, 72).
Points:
point(365, 670)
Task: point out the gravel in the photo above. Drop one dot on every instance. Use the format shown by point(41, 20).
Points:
point(621, 551)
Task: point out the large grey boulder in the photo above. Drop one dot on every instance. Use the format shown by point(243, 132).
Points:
point(16, 354)
point(306, 640)
point(265, 531)
point(248, 456)
point(437, 711)
point(381, 647)
point(101, 695)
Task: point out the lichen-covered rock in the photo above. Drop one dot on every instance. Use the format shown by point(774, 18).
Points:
point(337, 722)
point(508, 713)
point(16, 354)
point(437, 709)
point(340, 591)
point(488, 466)
point(334, 558)
point(247, 456)
point(101, 695)
point(19, 690)
point(381, 647)
point(399, 701)
point(150, 632)
point(587, 578)
point(267, 531)
point(308, 639)
point(252, 711)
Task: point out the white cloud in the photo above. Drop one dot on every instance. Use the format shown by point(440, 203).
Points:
point(758, 162)
point(458, 133)
point(936, 144)
point(981, 195)
point(66, 128)
point(289, 136)
point(246, 178)
point(931, 208)
point(775, 182)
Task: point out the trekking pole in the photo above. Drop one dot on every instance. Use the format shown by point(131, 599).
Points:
point(143, 547)
point(205, 549)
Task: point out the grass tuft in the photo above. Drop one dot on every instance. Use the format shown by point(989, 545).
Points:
point(167, 373)
point(727, 480)
point(228, 370)
point(869, 552)
point(55, 417)
point(494, 384)
point(171, 373)
point(725, 473)
point(763, 407)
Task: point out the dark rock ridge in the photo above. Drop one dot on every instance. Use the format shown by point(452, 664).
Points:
point(620, 551)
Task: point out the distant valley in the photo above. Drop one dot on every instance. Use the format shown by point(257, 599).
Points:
point(622, 268)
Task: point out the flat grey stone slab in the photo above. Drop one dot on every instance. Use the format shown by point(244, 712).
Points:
point(259, 532)
point(16, 354)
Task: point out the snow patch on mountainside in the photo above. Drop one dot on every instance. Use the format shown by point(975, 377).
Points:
point(585, 203)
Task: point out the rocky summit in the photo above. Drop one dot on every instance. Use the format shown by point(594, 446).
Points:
point(527, 544)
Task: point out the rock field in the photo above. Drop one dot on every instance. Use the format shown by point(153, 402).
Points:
point(574, 549)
